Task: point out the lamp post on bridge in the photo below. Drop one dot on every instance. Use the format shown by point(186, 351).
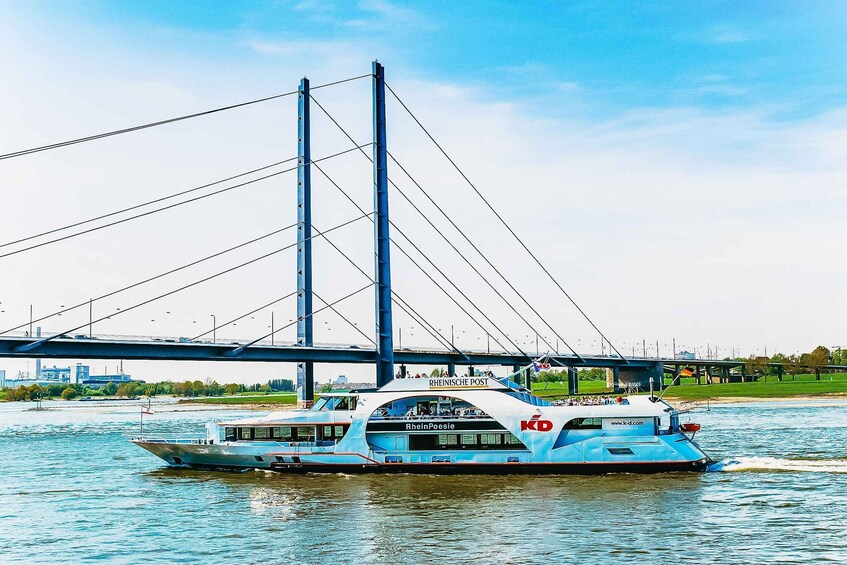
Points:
point(214, 328)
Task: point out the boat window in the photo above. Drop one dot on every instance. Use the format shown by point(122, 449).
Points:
point(320, 404)
point(447, 439)
point(429, 407)
point(331, 433)
point(305, 434)
point(280, 433)
point(584, 424)
point(490, 439)
point(335, 403)
point(513, 439)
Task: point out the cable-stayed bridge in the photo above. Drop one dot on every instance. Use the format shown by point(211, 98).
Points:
point(81, 341)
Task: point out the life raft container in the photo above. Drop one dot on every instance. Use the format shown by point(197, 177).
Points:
point(690, 427)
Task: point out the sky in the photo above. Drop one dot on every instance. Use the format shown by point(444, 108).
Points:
point(678, 167)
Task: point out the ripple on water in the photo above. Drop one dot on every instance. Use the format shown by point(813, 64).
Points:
point(107, 500)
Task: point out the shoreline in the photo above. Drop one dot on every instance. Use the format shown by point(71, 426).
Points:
point(719, 400)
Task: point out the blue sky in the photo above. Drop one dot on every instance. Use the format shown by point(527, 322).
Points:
point(676, 165)
point(599, 58)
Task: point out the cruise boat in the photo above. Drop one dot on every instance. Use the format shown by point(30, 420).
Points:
point(448, 425)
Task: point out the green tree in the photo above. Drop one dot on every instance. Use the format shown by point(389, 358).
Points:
point(792, 364)
point(817, 359)
point(778, 358)
point(182, 389)
point(756, 365)
point(110, 389)
point(435, 373)
point(122, 390)
point(69, 393)
point(548, 377)
point(198, 388)
point(231, 389)
point(326, 388)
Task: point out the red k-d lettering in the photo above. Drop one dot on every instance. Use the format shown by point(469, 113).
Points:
point(536, 424)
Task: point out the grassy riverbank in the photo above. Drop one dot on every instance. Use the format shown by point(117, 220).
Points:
point(253, 399)
point(802, 386)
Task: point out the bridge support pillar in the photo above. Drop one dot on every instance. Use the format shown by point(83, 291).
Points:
point(616, 379)
point(573, 381)
point(451, 369)
point(305, 370)
point(403, 371)
point(470, 370)
point(638, 378)
point(384, 330)
point(779, 372)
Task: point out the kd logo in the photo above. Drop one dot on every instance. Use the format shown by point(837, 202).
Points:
point(536, 424)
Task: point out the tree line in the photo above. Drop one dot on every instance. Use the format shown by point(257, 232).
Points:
point(186, 388)
point(794, 364)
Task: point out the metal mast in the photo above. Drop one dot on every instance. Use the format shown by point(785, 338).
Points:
point(384, 329)
point(305, 370)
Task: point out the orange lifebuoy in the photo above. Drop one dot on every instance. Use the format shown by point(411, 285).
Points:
point(690, 427)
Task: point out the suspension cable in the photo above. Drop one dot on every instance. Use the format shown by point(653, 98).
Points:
point(397, 299)
point(505, 224)
point(399, 248)
point(136, 206)
point(162, 122)
point(153, 278)
point(169, 206)
point(451, 245)
point(472, 266)
point(37, 343)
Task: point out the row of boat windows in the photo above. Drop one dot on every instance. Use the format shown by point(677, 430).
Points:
point(428, 442)
point(335, 403)
point(286, 433)
point(584, 424)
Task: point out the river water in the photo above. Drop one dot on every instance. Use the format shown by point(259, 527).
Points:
point(73, 489)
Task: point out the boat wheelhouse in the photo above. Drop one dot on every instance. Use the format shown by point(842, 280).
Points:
point(447, 425)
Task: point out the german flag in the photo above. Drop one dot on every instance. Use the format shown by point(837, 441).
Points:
point(686, 372)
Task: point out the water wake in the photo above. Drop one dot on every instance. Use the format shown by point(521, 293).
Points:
point(776, 464)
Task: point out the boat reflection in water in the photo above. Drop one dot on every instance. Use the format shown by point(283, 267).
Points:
point(447, 425)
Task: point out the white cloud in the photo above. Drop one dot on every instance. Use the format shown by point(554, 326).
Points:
point(680, 222)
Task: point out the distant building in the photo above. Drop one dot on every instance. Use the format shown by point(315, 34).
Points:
point(81, 374)
point(96, 381)
point(684, 355)
point(54, 373)
point(341, 380)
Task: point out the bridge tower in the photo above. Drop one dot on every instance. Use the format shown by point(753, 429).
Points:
point(384, 327)
point(305, 369)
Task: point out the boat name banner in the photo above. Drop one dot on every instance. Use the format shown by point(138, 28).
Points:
point(442, 383)
point(439, 426)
